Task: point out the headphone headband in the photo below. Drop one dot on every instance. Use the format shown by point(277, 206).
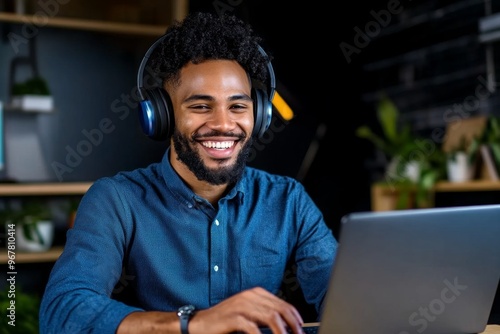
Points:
point(142, 66)
point(152, 48)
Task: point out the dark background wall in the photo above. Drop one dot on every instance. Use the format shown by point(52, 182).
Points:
point(425, 54)
point(92, 77)
point(322, 88)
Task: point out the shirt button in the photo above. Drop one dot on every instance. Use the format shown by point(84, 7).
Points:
point(190, 205)
point(216, 268)
point(216, 222)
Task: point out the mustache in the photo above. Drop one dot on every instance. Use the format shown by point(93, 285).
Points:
point(215, 133)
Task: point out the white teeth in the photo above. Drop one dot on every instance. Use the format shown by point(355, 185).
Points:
point(218, 144)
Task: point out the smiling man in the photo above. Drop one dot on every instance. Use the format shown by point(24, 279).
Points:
point(214, 122)
point(197, 242)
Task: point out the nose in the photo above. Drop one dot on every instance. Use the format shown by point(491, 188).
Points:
point(222, 120)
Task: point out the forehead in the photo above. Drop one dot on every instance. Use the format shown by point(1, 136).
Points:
point(214, 73)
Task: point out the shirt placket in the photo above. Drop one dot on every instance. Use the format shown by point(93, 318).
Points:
point(218, 259)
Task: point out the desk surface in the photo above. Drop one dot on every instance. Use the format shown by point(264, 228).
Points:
point(492, 329)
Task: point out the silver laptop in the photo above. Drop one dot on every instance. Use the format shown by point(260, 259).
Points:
point(430, 271)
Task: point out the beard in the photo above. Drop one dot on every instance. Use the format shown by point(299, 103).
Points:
point(220, 175)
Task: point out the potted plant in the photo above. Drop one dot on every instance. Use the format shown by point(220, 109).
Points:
point(33, 226)
point(32, 95)
point(414, 171)
point(459, 166)
point(396, 140)
point(487, 146)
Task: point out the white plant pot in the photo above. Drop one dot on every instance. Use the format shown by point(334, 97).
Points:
point(459, 169)
point(34, 103)
point(46, 230)
point(411, 171)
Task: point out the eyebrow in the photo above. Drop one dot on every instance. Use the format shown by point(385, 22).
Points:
point(211, 98)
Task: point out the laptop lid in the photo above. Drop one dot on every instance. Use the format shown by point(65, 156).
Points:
point(414, 271)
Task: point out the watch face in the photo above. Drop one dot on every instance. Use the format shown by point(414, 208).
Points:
point(186, 310)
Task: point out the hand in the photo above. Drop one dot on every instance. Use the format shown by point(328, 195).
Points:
point(245, 312)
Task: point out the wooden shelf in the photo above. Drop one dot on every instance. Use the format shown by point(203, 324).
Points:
point(479, 185)
point(90, 25)
point(178, 9)
point(43, 189)
point(384, 196)
point(19, 111)
point(39, 189)
point(24, 257)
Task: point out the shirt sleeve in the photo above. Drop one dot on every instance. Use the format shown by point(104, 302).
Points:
point(316, 251)
point(77, 297)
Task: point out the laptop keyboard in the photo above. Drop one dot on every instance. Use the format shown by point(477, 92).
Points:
point(307, 330)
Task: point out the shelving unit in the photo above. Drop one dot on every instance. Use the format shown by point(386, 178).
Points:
point(64, 18)
point(40, 189)
point(48, 256)
point(429, 59)
point(44, 189)
point(178, 10)
point(384, 196)
point(90, 25)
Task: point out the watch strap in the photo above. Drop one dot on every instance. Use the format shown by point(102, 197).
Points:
point(185, 313)
point(184, 318)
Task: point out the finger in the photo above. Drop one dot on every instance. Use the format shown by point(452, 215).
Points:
point(288, 311)
point(278, 315)
point(246, 326)
point(277, 325)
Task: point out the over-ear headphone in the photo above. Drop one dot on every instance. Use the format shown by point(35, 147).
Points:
point(156, 113)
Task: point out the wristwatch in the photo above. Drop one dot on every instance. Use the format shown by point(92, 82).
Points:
point(185, 313)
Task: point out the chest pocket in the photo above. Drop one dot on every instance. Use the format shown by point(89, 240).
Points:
point(265, 270)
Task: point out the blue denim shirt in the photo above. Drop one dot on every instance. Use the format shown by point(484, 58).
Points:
point(145, 231)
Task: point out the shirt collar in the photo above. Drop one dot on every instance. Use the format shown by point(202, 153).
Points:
point(184, 194)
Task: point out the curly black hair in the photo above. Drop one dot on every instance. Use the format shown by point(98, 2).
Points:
point(203, 36)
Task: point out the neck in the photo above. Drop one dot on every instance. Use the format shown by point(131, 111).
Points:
point(212, 193)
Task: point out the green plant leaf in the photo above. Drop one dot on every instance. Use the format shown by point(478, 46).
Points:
point(494, 129)
point(388, 117)
point(33, 86)
point(495, 150)
point(366, 133)
point(404, 199)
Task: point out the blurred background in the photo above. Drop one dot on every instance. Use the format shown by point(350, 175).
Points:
point(436, 60)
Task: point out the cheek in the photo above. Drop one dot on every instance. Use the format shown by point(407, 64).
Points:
point(183, 123)
point(247, 124)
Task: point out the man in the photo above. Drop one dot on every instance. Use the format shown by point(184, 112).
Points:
point(199, 242)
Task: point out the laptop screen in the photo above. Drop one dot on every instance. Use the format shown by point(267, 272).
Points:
point(415, 271)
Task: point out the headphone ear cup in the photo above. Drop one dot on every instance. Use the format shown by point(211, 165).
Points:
point(262, 112)
point(156, 114)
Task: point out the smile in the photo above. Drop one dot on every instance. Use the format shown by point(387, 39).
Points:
point(220, 145)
